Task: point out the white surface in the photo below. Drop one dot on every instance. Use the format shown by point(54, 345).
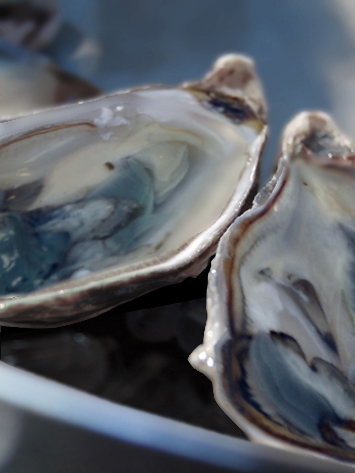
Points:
point(30, 393)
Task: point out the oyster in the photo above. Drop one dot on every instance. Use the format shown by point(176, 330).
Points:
point(109, 199)
point(279, 343)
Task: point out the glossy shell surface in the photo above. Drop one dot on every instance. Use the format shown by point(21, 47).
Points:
point(57, 158)
point(279, 344)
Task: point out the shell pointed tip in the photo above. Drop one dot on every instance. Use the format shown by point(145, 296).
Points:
point(233, 60)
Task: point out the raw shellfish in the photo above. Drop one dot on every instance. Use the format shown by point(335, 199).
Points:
point(279, 343)
point(109, 199)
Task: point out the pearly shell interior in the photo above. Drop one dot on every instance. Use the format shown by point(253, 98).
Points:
point(279, 343)
point(127, 192)
point(164, 144)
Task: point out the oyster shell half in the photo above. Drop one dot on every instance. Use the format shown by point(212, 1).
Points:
point(279, 344)
point(109, 199)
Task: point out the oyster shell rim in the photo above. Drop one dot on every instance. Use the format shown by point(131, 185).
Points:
point(220, 298)
point(187, 261)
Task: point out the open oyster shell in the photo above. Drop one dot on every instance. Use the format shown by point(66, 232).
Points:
point(109, 199)
point(279, 343)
